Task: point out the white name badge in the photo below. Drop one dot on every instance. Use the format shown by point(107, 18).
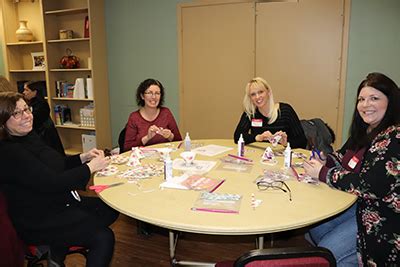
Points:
point(353, 162)
point(256, 123)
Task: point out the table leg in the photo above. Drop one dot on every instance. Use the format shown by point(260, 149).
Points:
point(174, 262)
point(260, 244)
point(172, 245)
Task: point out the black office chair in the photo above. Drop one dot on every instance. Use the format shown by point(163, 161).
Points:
point(284, 257)
point(121, 140)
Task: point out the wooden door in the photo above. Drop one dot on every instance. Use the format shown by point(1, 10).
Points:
point(299, 53)
point(217, 59)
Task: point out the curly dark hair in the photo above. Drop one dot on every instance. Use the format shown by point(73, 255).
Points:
point(143, 86)
point(358, 131)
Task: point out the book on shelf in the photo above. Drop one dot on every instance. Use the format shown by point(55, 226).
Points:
point(62, 114)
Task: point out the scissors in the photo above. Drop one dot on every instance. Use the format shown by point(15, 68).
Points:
point(316, 152)
point(100, 188)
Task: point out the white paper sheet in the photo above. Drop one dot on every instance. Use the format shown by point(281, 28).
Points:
point(211, 150)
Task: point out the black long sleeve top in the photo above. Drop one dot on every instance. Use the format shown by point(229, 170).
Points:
point(287, 121)
point(38, 181)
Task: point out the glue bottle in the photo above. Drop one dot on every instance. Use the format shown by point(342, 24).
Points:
point(287, 156)
point(188, 143)
point(240, 146)
point(167, 168)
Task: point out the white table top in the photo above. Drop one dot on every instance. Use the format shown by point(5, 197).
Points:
point(171, 208)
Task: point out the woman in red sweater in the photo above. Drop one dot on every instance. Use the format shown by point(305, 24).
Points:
point(151, 123)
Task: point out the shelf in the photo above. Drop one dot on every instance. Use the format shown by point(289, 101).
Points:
point(16, 71)
point(75, 127)
point(68, 40)
point(69, 70)
point(24, 43)
point(71, 99)
point(70, 11)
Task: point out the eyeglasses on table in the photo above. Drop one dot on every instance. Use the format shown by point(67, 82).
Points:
point(280, 185)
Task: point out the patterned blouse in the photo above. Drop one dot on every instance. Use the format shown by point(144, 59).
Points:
point(377, 187)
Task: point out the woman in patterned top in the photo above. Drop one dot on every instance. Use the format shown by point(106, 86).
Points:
point(265, 120)
point(368, 165)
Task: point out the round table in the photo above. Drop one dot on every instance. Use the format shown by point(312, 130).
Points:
point(172, 208)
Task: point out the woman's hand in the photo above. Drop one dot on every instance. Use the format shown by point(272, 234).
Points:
point(283, 139)
point(167, 134)
point(87, 156)
point(312, 167)
point(98, 163)
point(152, 131)
point(264, 136)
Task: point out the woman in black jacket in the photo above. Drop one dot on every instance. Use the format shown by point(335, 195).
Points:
point(40, 183)
point(42, 123)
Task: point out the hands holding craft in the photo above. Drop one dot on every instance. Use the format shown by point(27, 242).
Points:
point(96, 159)
point(279, 137)
point(154, 129)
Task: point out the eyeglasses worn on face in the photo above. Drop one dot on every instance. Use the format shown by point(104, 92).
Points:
point(281, 185)
point(18, 114)
point(152, 93)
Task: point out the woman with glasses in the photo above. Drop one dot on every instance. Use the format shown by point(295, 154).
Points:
point(264, 120)
point(368, 165)
point(42, 123)
point(151, 123)
point(39, 184)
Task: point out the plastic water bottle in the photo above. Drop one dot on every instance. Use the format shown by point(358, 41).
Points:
point(240, 148)
point(188, 142)
point(287, 156)
point(167, 168)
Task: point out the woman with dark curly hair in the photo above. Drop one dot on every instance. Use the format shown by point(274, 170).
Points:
point(368, 165)
point(151, 123)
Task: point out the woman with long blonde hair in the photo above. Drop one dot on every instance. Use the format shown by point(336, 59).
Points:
point(265, 120)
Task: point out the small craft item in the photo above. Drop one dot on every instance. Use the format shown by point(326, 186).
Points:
point(164, 153)
point(274, 140)
point(119, 159)
point(134, 158)
point(108, 171)
point(299, 155)
point(255, 202)
point(142, 172)
point(273, 175)
point(188, 157)
point(100, 188)
point(69, 61)
point(234, 160)
point(219, 203)
point(268, 157)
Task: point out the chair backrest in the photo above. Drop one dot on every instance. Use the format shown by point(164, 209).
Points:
point(121, 140)
point(11, 247)
point(293, 256)
point(319, 135)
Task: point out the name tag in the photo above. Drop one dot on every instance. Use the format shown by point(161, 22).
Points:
point(256, 123)
point(353, 162)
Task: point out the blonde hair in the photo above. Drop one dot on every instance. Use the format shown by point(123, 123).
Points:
point(5, 85)
point(250, 108)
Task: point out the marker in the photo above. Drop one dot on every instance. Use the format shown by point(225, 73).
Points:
point(241, 158)
point(218, 185)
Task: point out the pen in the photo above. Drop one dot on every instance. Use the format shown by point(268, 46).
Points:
point(180, 144)
point(241, 158)
point(215, 210)
point(218, 185)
